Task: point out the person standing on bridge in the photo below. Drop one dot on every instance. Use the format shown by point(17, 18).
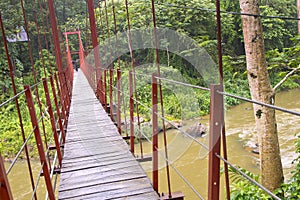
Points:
point(75, 65)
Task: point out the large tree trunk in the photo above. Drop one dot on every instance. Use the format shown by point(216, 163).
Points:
point(260, 88)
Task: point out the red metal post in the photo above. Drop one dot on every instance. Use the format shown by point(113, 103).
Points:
point(67, 97)
point(104, 90)
point(55, 36)
point(58, 57)
point(62, 102)
point(11, 73)
point(61, 127)
point(5, 192)
point(111, 73)
point(224, 145)
point(39, 143)
point(131, 109)
point(216, 124)
point(81, 52)
point(154, 133)
point(220, 62)
point(119, 100)
point(52, 120)
point(161, 96)
point(98, 65)
point(69, 58)
point(60, 86)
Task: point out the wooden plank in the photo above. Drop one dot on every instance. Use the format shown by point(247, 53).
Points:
point(97, 163)
point(87, 178)
point(113, 142)
point(85, 150)
point(136, 196)
point(113, 190)
point(95, 138)
point(117, 166)
point(96, 156)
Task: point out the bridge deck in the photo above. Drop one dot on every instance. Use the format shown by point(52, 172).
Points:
point(97, 163)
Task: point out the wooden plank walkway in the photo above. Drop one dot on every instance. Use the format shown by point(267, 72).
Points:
point(97, 163)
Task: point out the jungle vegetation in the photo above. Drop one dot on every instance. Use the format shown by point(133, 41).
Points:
point(194, 18)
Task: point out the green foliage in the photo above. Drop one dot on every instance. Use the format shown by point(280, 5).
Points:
point(235, 78)
point(184, 17)
point(276, 33)
point(10, 131)
point(232, 33)
point(243, 189)
point(291, 189)
point(280, 63)
point(44, 64)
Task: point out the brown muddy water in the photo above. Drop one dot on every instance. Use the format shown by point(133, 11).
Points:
point(19, 180)
point(190, 158)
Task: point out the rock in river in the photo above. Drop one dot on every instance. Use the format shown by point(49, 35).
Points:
point(196, 130)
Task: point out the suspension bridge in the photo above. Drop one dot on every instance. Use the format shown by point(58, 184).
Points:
point(90, 156)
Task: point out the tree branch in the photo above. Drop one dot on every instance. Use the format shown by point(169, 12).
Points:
point(285, 78)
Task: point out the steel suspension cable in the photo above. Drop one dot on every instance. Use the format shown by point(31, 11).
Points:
point(39, 44)
point(170, 122)
point(175, 82)
point(228, 12)
point(116, 33)
point(220, 157)
point(118, 69)
point(260, 103)
point(174, 168)
point(227, 94)
point(87, 29)
point(111, 64)
point(12, 98)
point(45, 35)
point(220, 62)
point(50, 40)
point(103, 81)
point(108, 33)
point(65, 90)
point(17, 102)
point(34, 73)
point(124, 109)
point(38, 180)
point(133, 69)
point(161, 96)
point(248, 177)
point(20, 151)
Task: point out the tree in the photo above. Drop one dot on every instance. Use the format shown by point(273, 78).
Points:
point(261, 90)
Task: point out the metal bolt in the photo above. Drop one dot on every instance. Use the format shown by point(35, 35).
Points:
point(216, 123)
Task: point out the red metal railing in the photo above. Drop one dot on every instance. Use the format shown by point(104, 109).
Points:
point(5, 192)
point(58, 100)
point(58, 126)
point(216, 130)
point(56, 105)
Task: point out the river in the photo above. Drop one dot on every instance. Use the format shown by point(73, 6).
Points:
point(190, 158)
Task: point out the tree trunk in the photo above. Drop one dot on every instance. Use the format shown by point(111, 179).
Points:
point(260, 88)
